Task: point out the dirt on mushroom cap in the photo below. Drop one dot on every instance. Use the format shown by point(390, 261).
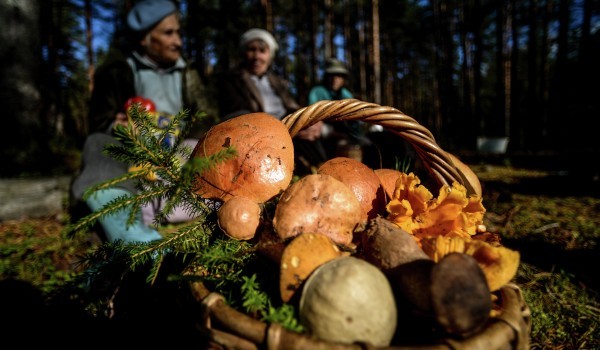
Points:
point(264, 163)
point(362, 180)
point(318, 204)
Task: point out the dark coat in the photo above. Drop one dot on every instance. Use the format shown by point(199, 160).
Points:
point(238, 94)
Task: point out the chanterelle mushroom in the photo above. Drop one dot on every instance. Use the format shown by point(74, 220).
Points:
point(499, 264)
point(451, 214)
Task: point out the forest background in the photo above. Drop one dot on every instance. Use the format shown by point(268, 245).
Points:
point(527, 70)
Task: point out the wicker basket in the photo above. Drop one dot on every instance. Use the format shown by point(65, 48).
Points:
point(227, 328)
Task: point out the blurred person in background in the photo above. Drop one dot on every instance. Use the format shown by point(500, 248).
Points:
point(252, 86)
point(347, 138)
point(152, 69)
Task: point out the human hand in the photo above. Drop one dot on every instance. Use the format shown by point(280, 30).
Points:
point(121, 119)
point(311, 133)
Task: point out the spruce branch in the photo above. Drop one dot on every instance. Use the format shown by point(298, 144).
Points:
point(225, 265)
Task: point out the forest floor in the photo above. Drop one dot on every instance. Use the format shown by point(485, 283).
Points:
point(549, 215)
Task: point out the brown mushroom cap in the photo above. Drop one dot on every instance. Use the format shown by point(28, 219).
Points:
point(239, 218)
point(388, 178)
point(318, 203)
point(362, 181)
point(300, 258)
point(264, 163)
point(499, 264)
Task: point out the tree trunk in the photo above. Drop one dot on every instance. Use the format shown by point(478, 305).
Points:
point(314, 30)
point(88, 43)
point(468, 69)
point(328, 35)
point(362, 42)
point(376, 53)
point(22, 142)
point(492, 125)
point(510, 66)
point(267, 9)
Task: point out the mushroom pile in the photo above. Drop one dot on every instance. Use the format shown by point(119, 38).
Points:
point(356, 247)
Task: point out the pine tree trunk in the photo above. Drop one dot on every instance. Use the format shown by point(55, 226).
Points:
point(22, 141)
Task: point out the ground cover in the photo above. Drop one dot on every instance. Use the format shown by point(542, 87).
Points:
point(549, 217)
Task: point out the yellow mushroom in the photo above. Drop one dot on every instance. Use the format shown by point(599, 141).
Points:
point(452, 213)
point(499, 264)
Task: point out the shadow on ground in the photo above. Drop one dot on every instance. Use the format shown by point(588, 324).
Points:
point(553, 254)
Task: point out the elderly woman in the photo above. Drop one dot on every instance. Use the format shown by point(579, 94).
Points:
point(253, 87)
point(154, 69)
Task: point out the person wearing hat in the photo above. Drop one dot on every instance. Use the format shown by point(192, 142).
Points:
point(150, 66)
point(333, 86)
point(338, 135)
point(252, 86)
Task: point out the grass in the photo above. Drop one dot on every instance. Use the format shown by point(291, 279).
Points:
point(549, 218)
point(552, 220)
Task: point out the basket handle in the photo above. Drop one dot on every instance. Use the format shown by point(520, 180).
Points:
point(436, 161)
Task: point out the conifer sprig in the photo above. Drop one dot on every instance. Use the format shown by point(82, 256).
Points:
point(223, 264)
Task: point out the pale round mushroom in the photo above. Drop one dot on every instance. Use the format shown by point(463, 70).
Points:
point(349, 300)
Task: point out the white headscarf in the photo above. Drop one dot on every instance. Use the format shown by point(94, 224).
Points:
point(257, 33)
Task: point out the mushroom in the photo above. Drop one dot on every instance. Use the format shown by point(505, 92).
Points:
point(239, 218)
point(388, 178)
point(452, 291)
point(318, 203)
point(263, 166)
point(362, 180)
point(348, 300)
point(499, 264)
point(300, 258)
point(469, 177)
point(452, 213)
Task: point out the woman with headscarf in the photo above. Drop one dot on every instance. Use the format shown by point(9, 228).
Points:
point(153, 68)
point(253, 87)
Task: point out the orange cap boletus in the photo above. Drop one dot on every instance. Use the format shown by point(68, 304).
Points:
point(239, 218)
point(362, 180)
point(300, 258)
point(318, 203)
point(388, 178)
point(263, 166)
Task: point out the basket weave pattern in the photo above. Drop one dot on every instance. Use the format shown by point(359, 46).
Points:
point(227, 328)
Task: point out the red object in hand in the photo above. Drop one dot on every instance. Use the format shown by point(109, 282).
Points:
point(146, 103)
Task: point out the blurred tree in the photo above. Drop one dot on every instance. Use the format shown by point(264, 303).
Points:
point(24, 140)
point(462, 69)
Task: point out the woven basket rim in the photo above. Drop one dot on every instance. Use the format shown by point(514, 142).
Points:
point(238, 330)
point(437, 162)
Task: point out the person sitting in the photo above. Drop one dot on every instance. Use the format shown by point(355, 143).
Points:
point(344, 138)
point(252, 86)
point(152, 68)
